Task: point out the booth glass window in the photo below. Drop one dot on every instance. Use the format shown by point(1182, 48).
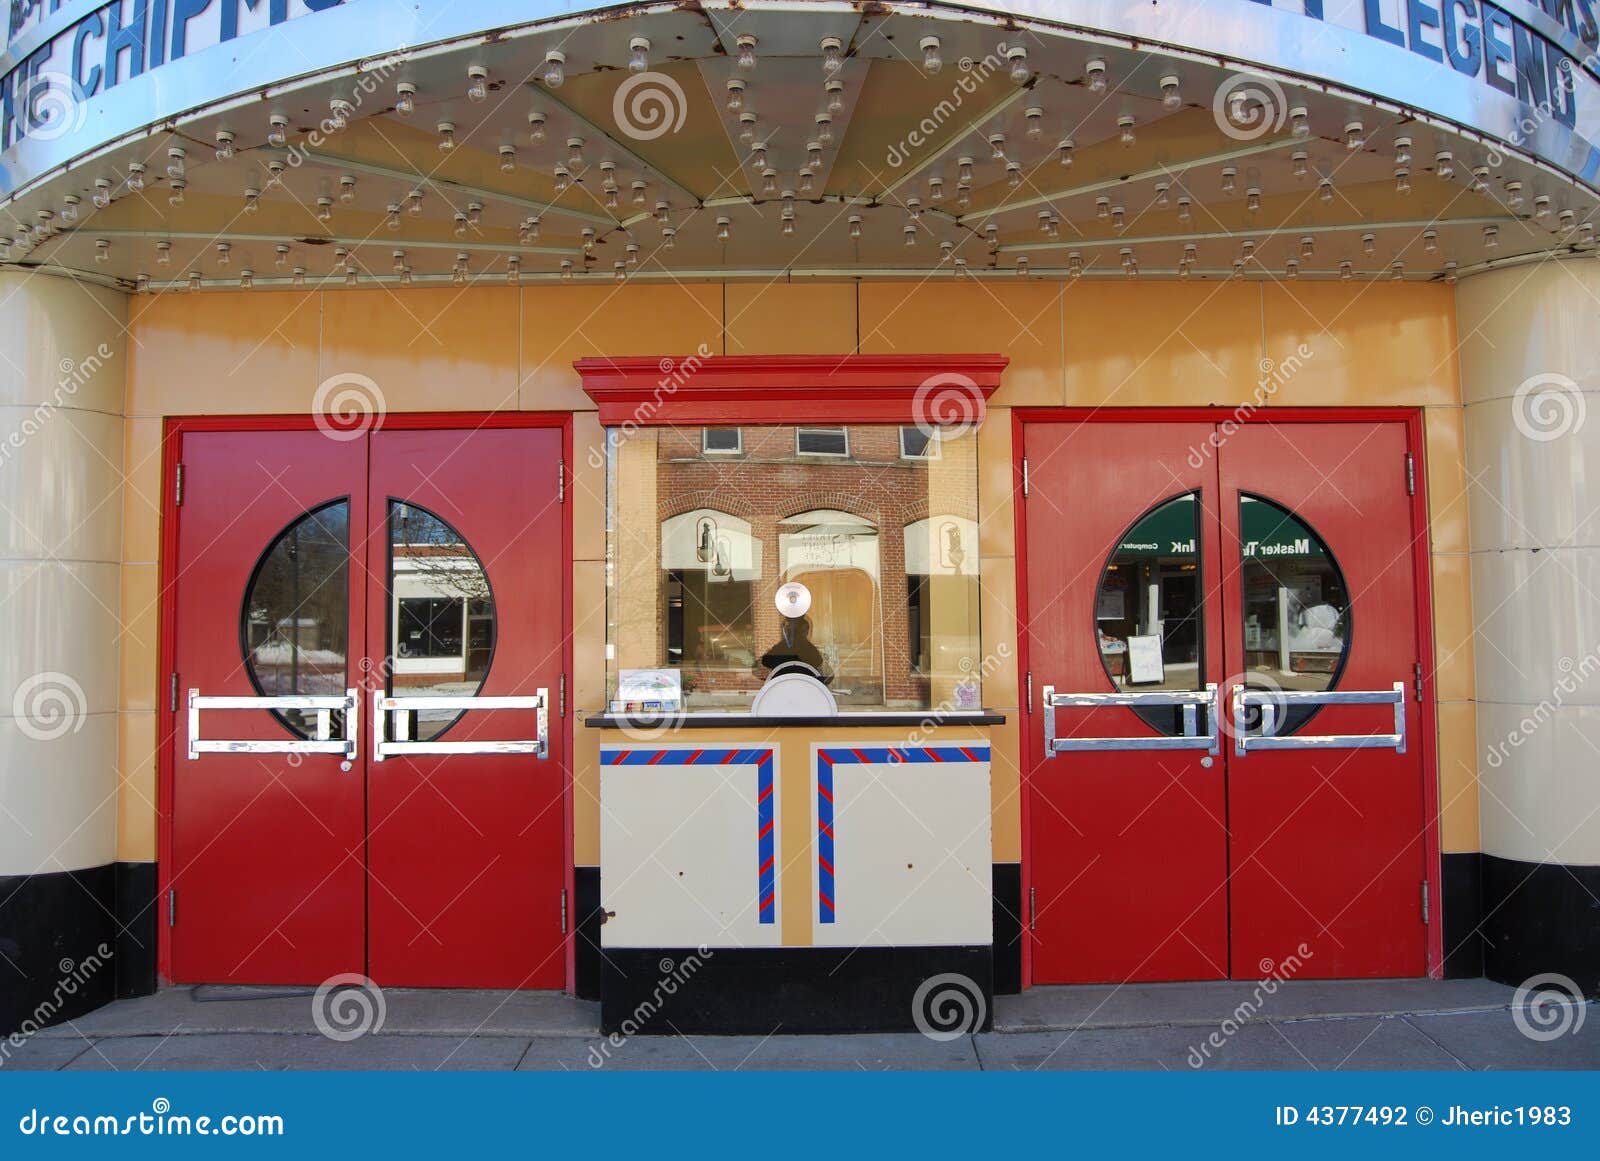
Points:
point(885, 545)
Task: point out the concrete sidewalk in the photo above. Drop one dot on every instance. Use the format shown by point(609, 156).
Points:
point(1401, 1024)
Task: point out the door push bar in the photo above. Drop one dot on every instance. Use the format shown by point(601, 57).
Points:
point(1192, 702)
point(402, 708)
point(324, 741)
point(1269, 701)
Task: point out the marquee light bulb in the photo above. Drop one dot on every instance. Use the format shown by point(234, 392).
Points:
point(224, 145)
point(163, 253)
point(638, 54)
point(1096, 73)
point(513, 269)
point(1402, 151)
point(224, 253)
point(745, 45)
point(252, 200)
point(724, 229)
point(278, 130)
point(102, 250)
point(175, 162)
point(194, 280)
point(508, 159)
point(825, 128)
point(69, 208)
point(1355, 135)
point(324, 209)
point(855, 226)
point(936, 189)
point(1229, 179)
point(1299, 122)
point(1171, 98)
point(1300, 161)
point(1402, 181)
point(669, 237)
point(769, 183)
point(832, 54)
point(932, 61)
point(1252, 200)
point(535, 127)
point(176, 189)
point(460, 224)
point(1325, 190)
point(1430, 241)
point(1184, 213)
point(282, 257)
point(1480, 179)
point(1163, 194)
point(1065, 151)
point(747, 128)
point(1514, 198)
point(835, 92)
point(1491, 237)
point(1369, 244)
point(1308, 245)
point(1017, 57)
point(347, 189)
point(1014, 174)
point(1034, 120)
point(405, 98)
point(735, 94)
point(1022, 266)
point(1444, 165)
point(298, 277)
point(135, 176)
point(563, 179)
point(247, 278)
point(554, 74)
point(575, 153)
point(1125, 125)
point(414, 203)
point(447, 136)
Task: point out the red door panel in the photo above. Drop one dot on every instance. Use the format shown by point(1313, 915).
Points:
point(1128, 848)
point(266, 848)
point(1327, 845)
point(466, 852)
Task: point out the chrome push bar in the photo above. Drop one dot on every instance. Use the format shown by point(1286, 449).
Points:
point(324, 741)
point(1192, 702)
point(398, 711)
point(1268, 702)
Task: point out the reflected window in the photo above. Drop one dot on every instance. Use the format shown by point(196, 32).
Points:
point(295, 623)
point(918, 443)
point(725, 441)
point(1296, 607)
point(821, 441)
point(1148, 614)
point(710, 562)
point(441, 615)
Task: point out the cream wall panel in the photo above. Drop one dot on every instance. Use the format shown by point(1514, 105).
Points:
point(53, 330)
point(1538, 624)
point(141, 490)
point(60, 795)
point(59, 623)
point(60, 484)
point(1538, 800)
point(1538, 483)
point(1524, 321)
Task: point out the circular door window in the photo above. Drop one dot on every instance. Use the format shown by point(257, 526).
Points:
point(1148, 610)
point(1295, 609)
point(441, 615)
point(294, 627)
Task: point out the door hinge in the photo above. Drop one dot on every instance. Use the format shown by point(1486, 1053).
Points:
point(563, 911)
point(172, 692)
point(172, 907)
point(1029, 702)
point(1418, 672)
point(1033, 908)
point(1411, 474)
point(1026, 483)
point(561, 481)
point(1425, 908)
point(177, 487)
point(563, 695)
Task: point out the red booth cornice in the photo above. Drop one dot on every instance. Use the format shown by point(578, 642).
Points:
point(730, 389)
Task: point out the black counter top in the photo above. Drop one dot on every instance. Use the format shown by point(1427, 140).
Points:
point(728, 721)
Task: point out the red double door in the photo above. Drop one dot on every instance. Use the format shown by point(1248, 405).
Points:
point(1256, 581)
point(335, 593)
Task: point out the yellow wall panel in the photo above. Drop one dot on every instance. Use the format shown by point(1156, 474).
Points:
point(1458, 776)
point(1372, 344)
point(1005, 787)
point(136, 787)
point(140, 636)
point(997, 529)
point(426, 346)
point(141, 489)
point(1021, 321)
point(997, 612)
point(1444, 433)
point(1161, 343)
point(224, 354)
point(791, 318)
point(563, 323)
point(1452, 627)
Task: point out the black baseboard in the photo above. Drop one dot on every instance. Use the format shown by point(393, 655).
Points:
point(763, 991)
point(138, 912)
point(1461, 913)
point(587, 919)
point(58, 946)
point(1007, 929)
point(1541, 917)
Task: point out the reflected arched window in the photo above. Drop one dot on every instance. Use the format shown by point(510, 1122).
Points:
point(441, 614)
point(838, 557)
point(710, 564)
point(295, 622)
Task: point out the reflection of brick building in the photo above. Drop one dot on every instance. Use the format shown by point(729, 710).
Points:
point(749, 519)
